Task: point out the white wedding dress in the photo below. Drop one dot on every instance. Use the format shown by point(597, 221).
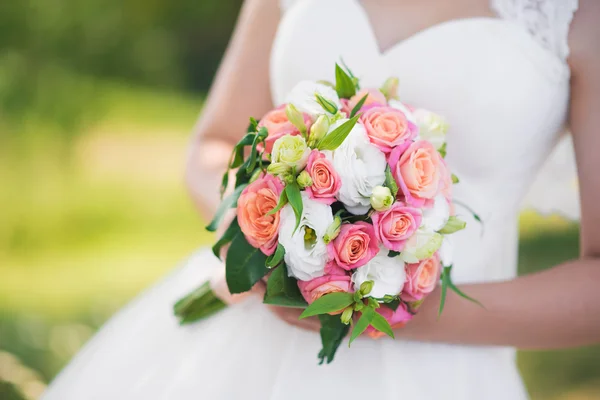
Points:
point(503, 84)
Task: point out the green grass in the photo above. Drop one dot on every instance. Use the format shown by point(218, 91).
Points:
point(88, 223)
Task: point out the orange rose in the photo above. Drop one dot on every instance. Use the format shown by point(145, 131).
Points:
point(418, 170)
point(257, 199)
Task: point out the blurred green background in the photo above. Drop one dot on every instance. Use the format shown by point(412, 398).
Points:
point(97, 99)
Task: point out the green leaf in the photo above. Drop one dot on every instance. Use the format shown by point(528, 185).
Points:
point(282, 290)
point(456, 290)
point(329, 303)
point(253, 126)
point(333, 331)
point(238, 150)
point(282, 202)
point(455, 179)
point(358, 105)
point(292, 191)
point(229, 202)
point(244, 266)
point(250, 164)
point(442, 150)
point(224, 183)
point(336, 137)
point(368, 313)
point(381, 324)
point(453, 225)
point(276, 258)
point(327, 105)
point(393, 253)
point(349, 72)
point(344, 86)
point(390, 182)
point(199, 304)
point(393, 305)
point(230, 233)
point(445, 277)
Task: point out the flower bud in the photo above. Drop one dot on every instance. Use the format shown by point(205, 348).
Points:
point(327, 105)
point(318, 130)
point(366, 287)
point(291, 151)
point(453, 225)
point(333, 230)
point(359, 305)
point(304, 180)
point(278, 169)
point(295, 117)
point(381, 198)
point(358, 297)
point(390, 88)
point(347, 315)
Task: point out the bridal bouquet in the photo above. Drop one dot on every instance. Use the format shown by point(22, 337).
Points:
point(344, 207)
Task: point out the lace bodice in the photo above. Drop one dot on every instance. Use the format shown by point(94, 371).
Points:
point(548, 21)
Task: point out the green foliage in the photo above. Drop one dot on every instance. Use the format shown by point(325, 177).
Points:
point(329, 303)
point(343, 84)
point(232, 231)
point(358, 105)
point(293, 195)
point(244, 266)
point(390, 182)
point(277, 257)
point(336, 137)
point(199, 304)
point(228, 203)
point(282, 290)
point(332, 332)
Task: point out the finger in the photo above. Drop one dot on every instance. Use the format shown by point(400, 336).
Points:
point(259, 289)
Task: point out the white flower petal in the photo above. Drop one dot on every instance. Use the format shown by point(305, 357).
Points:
point(302, 96)
point(361, 167)
point(435, 218)
point(387, 273)
point(305, 263)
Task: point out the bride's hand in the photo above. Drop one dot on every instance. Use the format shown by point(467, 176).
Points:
point(286, 314)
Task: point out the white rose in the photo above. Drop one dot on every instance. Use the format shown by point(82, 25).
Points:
point(305, 250)
point(361, 167)
point(400, 106)
point(421, 245)
point(435, 218)
point(387, 273)
point(447, 251)
point(302, 96)
point(432, 127)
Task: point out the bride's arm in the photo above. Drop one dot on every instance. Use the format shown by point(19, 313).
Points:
point(559, 307)
point(240, 90)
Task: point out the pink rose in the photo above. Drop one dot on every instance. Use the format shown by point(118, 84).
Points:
point(355, 245)
point(314, 289)
point(257, 199)
point(388, 127)
point(396, 225)
point(397, 319)
point(374, 97)
point(418, 170)
point(278, 125)
point(421, 278)
point(326, 182)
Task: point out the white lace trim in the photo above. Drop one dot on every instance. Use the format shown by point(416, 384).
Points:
point(548, 21)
